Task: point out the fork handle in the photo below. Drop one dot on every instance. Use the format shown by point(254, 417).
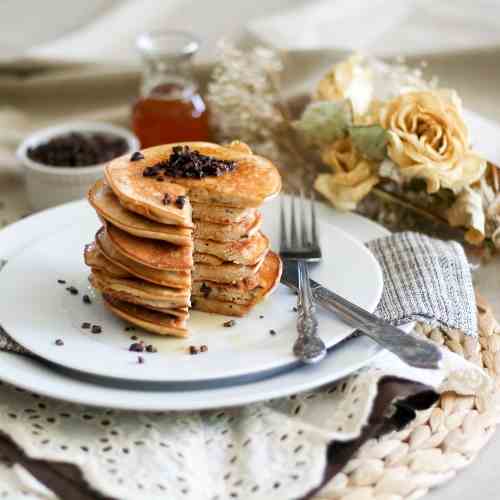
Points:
point(411, 349)
point(308, 347)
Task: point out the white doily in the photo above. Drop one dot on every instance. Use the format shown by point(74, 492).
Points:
point(274, 451)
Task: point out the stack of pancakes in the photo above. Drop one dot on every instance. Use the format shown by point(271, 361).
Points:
point(170, 241)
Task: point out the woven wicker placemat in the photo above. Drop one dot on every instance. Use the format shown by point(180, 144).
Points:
point(439, 442)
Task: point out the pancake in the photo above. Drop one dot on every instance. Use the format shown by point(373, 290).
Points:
point(225, 272)
point(96, 260)
point(253, 181)
point(174, 279)
point(138, 291)
point(151, 253)
point(152, 321)
point(245, 292)
point(145, 195)
point(246, 251)
point(221, 215)
point(228, 232)
point(108, 207)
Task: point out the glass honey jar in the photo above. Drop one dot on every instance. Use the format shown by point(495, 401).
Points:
point(170, 107)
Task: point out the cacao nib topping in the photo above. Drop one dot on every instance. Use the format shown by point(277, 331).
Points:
point(180, 201)
point(61, 282)
point(151, 348)
point(140, 360)
point(272, 332)
point(167, 199)
point(184, 162)
point(205, 290)
point(59, 342)
point(137, 156)
point(86, 299)
point(86, 325)
point(78, 149)
point(136, 347)
point(193, 349)
point(96, 329)
point(72, 290)
point(229, 324)
point(203, 348)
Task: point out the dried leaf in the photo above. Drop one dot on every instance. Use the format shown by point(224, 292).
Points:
point(323, 122)
point(370, 140)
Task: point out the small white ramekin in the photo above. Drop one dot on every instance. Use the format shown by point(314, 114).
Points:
point(48, 186)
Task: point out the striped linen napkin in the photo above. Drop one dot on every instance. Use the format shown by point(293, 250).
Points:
point(425, 279)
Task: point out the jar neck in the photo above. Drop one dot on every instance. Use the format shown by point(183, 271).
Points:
point(168, 77)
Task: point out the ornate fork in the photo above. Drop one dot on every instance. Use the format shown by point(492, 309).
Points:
point(303, 247)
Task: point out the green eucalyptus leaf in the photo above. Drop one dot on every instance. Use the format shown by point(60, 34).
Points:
point(323, 122)
point(370, 140)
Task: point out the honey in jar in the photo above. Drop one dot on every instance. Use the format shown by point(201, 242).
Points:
point(170, 107)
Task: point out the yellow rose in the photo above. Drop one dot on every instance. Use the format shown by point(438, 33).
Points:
point(353, 176)
point(350, 79)
point(428, 139)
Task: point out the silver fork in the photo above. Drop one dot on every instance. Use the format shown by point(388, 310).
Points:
point(303, 247)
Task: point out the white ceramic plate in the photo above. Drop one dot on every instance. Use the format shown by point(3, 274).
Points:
point(36, 311)
point(46, 380)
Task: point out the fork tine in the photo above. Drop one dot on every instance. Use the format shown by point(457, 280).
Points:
point(293, 223)
point(303, 221)
point(283, 233)
point(314, 223)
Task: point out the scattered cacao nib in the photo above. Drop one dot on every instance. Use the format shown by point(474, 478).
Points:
point(193, 349)
point(229, 324)
point(167, 199)
point(86, 299)
point(203, 348)
point(61, 282)
point(86, 325)
point(136, 347)
point(160, 179)
point(137, 156)
point(96, 329)
point(294, 309)
point(134, 337)
point(78, 149)
point(184, 162)
point(72, 290)
point(140, 360)
point(261, 316)
point(151, 348)
point(129, 328)
point(59, 342)
point(272, 332)
point(180, 201)
point(205, 290)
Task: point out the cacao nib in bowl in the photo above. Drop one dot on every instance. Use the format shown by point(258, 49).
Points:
point(62, 162)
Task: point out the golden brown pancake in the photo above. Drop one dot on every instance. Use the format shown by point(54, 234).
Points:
point(245, 292)
point(246, 251)
point(228, 232)
point(174, 279)
point(225, 272)
point(151, 253)
point(220, 214)
point(152, 321)
point(96, 260)
point(108, 207)
point(145, 195)
point(138, 291)
point(253, 181)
